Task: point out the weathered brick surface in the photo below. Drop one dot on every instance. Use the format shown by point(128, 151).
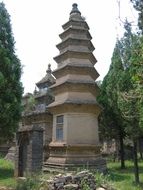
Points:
point(30, 152)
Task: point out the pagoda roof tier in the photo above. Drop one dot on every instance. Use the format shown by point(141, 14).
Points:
point(48, 80)
point(73, 82)
point(74, 54)
point(73, 101)
point(74, 64)
point(76, 33)
point(78, 87)
point(34, 114)
point(81, 24)
point(41, 94)
point(76, 69)
point(75, 106)
point(75, 42)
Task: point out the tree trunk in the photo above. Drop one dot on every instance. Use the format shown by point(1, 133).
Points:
point(136, 168)
point(122, 155)
point(140, 147)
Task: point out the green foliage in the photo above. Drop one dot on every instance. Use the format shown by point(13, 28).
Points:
point(84, 185)
point(115, 179)
point(111, 122)
point(10, 73)
point(103, 180)
point(125, 78)
point(123, 179)
point(29, 183)
point(6, 173)
point(138, 5)
point(31, 103)
point(130, 99)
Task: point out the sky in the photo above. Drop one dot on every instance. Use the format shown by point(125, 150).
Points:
point(36, 26)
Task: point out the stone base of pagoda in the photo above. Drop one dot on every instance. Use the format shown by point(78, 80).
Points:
point(71, 157)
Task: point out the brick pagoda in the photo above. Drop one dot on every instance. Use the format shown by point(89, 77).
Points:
point(75, 140)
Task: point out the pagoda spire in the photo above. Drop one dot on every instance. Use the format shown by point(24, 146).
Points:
point(75, 14)
point(75, 9)
point(47, 80)
point(49, 69)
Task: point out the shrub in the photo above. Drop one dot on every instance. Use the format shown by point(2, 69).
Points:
point(103, 181)
point(28, 183)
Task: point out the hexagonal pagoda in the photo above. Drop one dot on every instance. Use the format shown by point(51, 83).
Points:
point(75, 140)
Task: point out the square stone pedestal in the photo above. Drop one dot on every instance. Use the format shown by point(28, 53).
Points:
point(75, 156)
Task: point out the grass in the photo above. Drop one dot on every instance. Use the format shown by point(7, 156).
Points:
point(122, 179)
point(7, 173)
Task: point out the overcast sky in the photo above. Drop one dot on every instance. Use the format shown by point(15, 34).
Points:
point(36, 25)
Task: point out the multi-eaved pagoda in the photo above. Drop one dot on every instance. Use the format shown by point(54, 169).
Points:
point(59, 126)
point(75, 140)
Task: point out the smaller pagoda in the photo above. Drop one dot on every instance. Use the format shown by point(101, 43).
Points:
point(75, 140)
point(36, 110)
point(35, 131)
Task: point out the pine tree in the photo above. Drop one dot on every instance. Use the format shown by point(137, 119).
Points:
point(130, 98)
point(111, 121)
point(10, 74)
point(137, 57)
point(124, 78)
point(138, 5)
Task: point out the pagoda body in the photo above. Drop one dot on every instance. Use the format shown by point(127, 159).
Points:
point(75, 140)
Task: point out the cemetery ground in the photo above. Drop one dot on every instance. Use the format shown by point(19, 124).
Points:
point(117, 178)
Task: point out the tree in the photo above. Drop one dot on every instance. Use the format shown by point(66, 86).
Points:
point(130, 99)
point(10, 74)
point(111, 121)
point(125, 75)
point(130, 111)
point(138, 56)
point(138, 5)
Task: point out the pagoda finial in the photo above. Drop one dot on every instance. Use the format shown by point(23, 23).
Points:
point(35, 91)
point(49, 69)
point(75, 9)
